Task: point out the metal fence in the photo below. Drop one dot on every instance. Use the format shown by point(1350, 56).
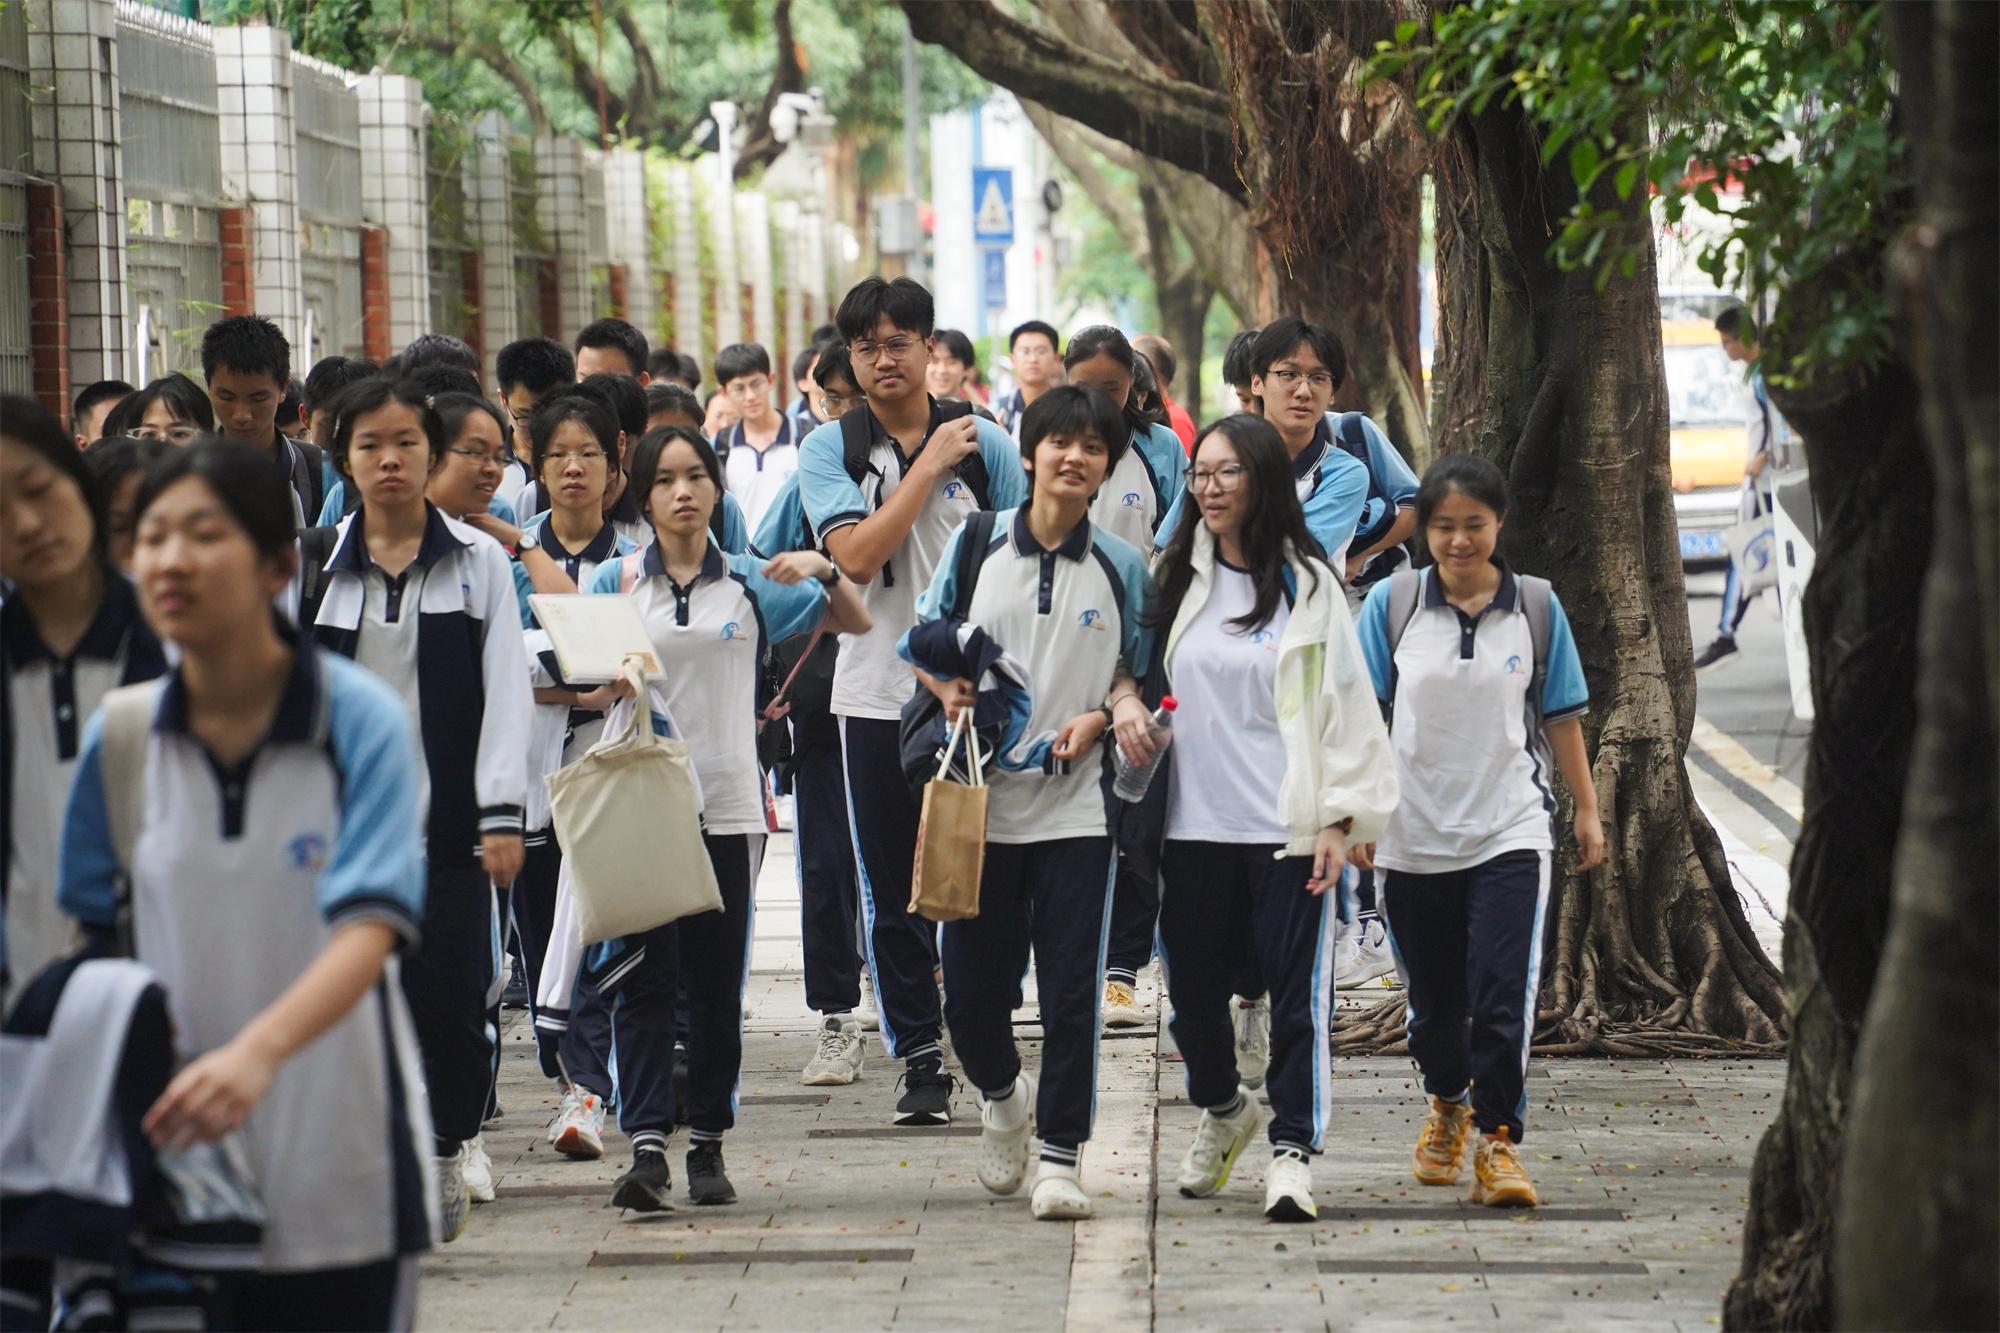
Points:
point(168, 119)
point(16, 160)
point(451, 236)
point(532, 249)
point(326, 120)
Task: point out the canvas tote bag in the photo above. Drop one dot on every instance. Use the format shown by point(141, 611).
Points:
point(630, 827)
point(951, 836)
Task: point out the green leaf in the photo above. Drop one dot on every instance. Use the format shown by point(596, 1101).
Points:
point(1583, 163)
point(1406, 30)
point(1627, 177)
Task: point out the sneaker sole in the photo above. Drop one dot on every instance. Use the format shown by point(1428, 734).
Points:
point(1356, 980)
point(1062, 1212)
point(639, 1199)
point(1417, 1175)
point(572, 1145)
point(1504, 1198)
point(831, 1079)
point(1128, 1018)
point(712, 1200)
point(1288, 1209)
point(923, 1119)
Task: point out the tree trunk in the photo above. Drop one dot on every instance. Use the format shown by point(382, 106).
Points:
point(1652, 952)
point(1184, 307)
point(1917, 1239)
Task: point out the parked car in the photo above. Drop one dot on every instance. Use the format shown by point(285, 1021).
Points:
point(1709, 410)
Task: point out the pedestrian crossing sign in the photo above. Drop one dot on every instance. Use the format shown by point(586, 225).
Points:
point(993, 205)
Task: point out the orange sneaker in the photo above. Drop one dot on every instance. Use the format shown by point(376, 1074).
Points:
point(1439, 1157)
point(1497, 1178)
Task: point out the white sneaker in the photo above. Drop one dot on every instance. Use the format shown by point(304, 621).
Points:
point(1218, 1141)
point(1253, 1038)
point(871, 1020)
point(1121, 1006)
point(579, 1128)
point(1288, 1189)
point(1363, 956)
point(454, 1204)
point(1003, 1150)
point(1059, 1195)
point(837, 1062)
point(478, 1170)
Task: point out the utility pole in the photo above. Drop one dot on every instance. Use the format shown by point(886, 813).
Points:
point(912, 162)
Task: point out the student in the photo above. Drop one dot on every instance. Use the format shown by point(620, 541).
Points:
point(951, 364)
point(529, 369)
point(762, 448)
point(324, 382)
point(91, 406)
point(1465, 859)
point(1738, 334)
point(1146, 467)
point(671, 403)
point(438, 349)
point(612, 347)
point(1259, 809)
point(290, 419)
point(711, 616)
point(1059, 594)
point(886, 522)
point(833, 381)
point(719, 413)
point(1032, 349)
point(281, 805)
point(117, 466)
point(664, 363)
point(70, 629)
point(1236, 372)
point(1160, 354)
point(800, 410)
point(466, 484)
point(247, 364)
point(427, 603)
point(172, 408)
point(690, 373)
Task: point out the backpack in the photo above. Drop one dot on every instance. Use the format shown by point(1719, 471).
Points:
point(855, 445)
point(1351, 440)
point(1537, 597)
point(309, 476)
point(128, 723)
point(315, 549)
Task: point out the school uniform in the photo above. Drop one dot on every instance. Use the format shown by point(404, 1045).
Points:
point(710, 637)
point(45, 701)
point(870, 686)
point(1276, 737)
point(1131, 505)
point(634, 527)
point(1332, 487)
point(829, 906)
point(317, 828)
point(1392, 487)
point(755, 476)
point(1072, 616)
point(1007, 412)
point(1465, 860)
point(445, 634)
point(560, 734)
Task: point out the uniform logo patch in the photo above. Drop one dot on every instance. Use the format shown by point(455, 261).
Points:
point(957, 490)
point(729, 630)
point(1260, 637)
point(1131, 500)
point(1514, 665)
point(306, 852)
point(1091, 619)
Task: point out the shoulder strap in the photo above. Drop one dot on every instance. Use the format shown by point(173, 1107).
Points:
point(1350, 437)
point(972, 546)
point(854, 442)
point(315, 549)
point(1536, 598)
point(628, 571)
point(1404, 586)
point(972, 469)
point(128, 718)
point(309, 474)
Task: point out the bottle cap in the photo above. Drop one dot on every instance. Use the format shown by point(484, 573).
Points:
point(1170, 703)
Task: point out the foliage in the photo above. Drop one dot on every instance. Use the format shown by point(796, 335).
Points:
point(1791, 99)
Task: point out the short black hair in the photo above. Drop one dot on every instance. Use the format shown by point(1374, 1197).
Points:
point(952, 342)
point(1236, 370)
point(439, 349)
point(664, 362)
point(1470, 474)
point(440, 378)
point(622, 398)
point(1735, 322)
point(257, 495)
point(248, 345)
point(824, 334)
point(331, 374)
point(1107, 340)
point(1035, 326)
point(1282, 337)
point(646, 467)
point(183, 397)
point(535, 364)
point(454, 408)
point(802, 364)
point(117, 457)
point(834, 364)
point(24, 420)
point(739, 359)
point(690, 371)
point(902, 301)
point(357, 400)
point(561, 407)
point(101, 391)
point(672, 396)
point(290, 407)
point(1071, 409)
point(620, 334)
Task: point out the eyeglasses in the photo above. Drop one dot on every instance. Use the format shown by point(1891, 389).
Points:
point(520, 414)
point(836, 404)
point(750, 388)
point(1289, 379)
point(897, 348)
point(561, 457)
point(1223, 479)
point(479, 457)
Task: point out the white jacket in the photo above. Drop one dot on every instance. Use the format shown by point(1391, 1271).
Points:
point(1337, 759)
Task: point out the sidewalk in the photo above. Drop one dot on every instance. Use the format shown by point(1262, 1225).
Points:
point(847, 1222)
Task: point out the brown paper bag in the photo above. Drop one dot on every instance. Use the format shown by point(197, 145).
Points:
point(951, 838)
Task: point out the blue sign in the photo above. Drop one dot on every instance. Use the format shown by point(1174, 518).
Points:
point(993, 205)
point(994, 266)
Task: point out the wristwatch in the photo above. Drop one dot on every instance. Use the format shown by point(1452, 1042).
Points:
point(528, 542)
point(832, 575)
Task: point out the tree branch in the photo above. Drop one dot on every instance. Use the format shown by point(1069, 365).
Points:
point(497, 60)
point(1179, 122)
point(1065, 139)
point(1153, 29)
point(584, 80)
point(787, 76)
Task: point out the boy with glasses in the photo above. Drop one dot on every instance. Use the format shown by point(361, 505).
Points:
point(762, 448)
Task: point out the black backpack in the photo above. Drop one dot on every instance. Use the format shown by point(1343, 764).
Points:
point(315, 549)
point(855, 444)
point(309, 478)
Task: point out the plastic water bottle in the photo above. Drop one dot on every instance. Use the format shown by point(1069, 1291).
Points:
point(1133, 779)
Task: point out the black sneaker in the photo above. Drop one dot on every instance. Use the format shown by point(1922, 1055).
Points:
point(926, 1097)
point(647, 1187)
point(706, 1181)
point(1721, 650)
point(516, 994)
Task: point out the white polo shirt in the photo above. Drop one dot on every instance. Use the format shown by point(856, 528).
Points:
point(711, 637)
point(755, 476)
point(1136, 496)
point(1228, 754)
point(1071, 616)
point(241, 875)
point(1475, 776)
point(871, 681)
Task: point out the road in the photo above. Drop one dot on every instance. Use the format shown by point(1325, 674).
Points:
point(1750, 698)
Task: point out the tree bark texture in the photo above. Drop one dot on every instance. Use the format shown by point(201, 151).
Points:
point(1917, 1238)
point(1563, 385)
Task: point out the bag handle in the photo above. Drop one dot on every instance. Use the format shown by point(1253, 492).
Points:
point(781, 704)
point(953, 735)
point(633, 671)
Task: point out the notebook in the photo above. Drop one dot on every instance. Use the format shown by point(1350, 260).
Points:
point(593, 635)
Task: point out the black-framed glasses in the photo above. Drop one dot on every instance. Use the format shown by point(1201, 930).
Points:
point(897, 347)
point(1223, 479)
point(1289, 379)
